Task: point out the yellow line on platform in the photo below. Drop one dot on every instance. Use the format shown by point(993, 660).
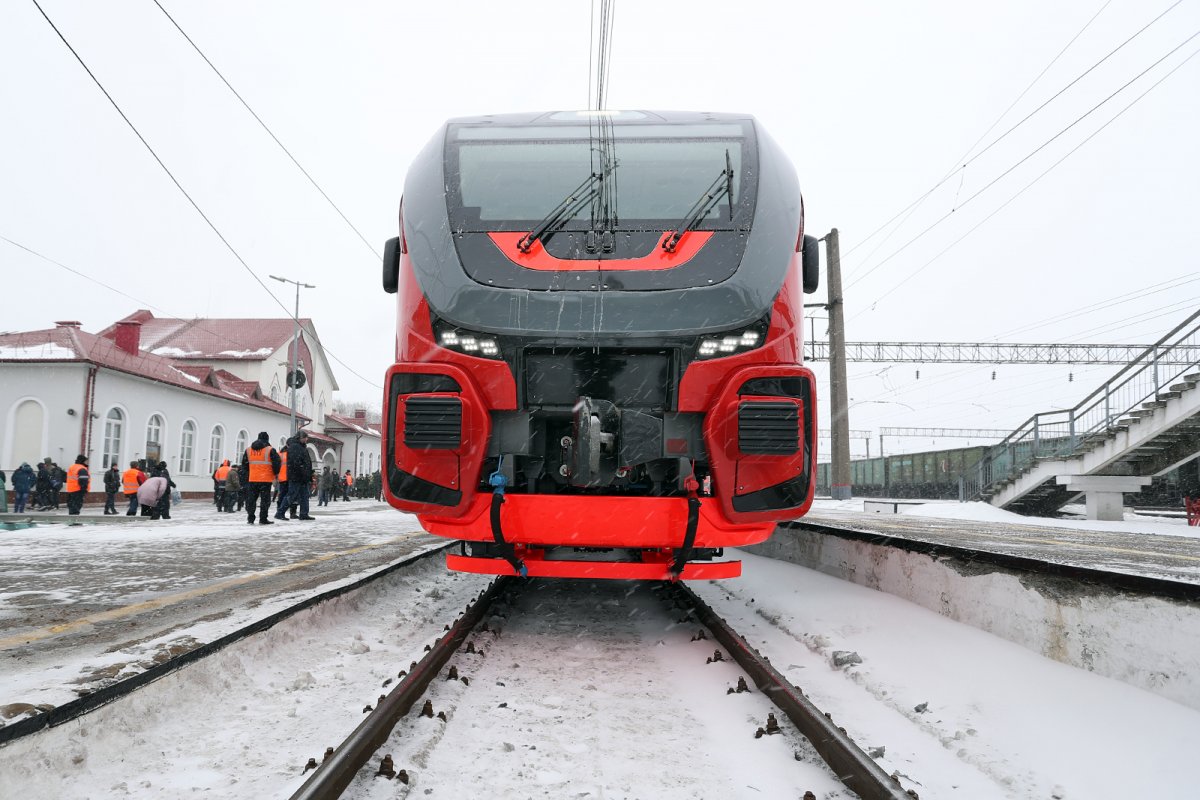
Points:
point(178, 597)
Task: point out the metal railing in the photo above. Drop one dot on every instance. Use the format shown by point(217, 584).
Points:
point(1068, 432)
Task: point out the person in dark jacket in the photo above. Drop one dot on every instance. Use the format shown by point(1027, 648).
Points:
point(112, 484)
point(260, 465)
point(299, 472)
point(233, 490)
point(77, 485)
point(41, 500)
point(164, 502)
point(23, 481)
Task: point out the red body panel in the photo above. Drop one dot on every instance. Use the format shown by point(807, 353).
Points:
point(654, 525)
point(607, 570)
point(537, 257)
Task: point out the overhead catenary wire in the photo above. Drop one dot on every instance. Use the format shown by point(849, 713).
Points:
point(229, 246)
point(270, 133)
point(960, 167)
point(166, 314)
point(1072, 151)
point(1011, 130)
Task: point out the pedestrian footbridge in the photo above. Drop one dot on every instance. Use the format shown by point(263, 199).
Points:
point(1142, 422)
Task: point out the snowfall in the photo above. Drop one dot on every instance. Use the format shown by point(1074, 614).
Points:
point(593, 690)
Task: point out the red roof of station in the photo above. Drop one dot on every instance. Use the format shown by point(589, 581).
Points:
point(67, 343)
point(210, 339)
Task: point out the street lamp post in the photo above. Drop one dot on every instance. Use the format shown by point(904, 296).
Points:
point(295, 347)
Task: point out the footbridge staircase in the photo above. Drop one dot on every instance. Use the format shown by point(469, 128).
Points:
point(1142, 422)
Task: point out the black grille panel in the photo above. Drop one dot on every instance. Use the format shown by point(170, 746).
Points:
point(432, 423)
point(768, 429)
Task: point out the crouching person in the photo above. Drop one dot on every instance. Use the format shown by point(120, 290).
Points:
point(150, 495)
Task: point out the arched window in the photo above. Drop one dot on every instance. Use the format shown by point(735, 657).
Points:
point(370, 463)
point(243, 441)
point(187, 444)
point(360, 463)
point(154, 438)
point(321, 413)
point(114, 424)
point(216, 447)
point(28, 432)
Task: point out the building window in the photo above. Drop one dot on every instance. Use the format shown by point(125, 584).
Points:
point(114, 423)
point(216, 447)
point(243, 441)
point(187, 444)
point(154, 439)
point(360, 463)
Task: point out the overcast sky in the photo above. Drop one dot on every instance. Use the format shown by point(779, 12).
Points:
point(876, 102)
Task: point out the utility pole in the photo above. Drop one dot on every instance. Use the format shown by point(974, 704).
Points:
point(292, 378)
point(838, 390)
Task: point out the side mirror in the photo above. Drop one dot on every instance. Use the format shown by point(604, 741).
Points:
point(391, 265)
point(810, 261)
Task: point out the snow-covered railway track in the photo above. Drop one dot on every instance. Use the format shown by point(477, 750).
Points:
point(596, 690)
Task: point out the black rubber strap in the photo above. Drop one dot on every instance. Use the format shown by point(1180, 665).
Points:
point(689, 538)
point(506, 550)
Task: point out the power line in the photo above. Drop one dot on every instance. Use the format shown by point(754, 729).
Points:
point(1029, 185)
point(912, 207)
point(952, 172)
point(165, 313)
point(1030, 155)
point(270, 133)
point(183, 191)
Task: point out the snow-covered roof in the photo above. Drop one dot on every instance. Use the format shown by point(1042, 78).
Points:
point(336, 422)
point(68, 343)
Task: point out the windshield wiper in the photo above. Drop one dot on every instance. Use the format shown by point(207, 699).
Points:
point(722, 186)
point(571, 204)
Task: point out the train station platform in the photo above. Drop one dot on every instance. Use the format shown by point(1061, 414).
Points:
point(89, 599)
point(1158, 548)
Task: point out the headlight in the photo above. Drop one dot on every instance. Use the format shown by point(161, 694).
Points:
point(473, 344)
point(721, 346)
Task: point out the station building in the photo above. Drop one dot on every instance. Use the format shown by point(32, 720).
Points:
point(188, 392)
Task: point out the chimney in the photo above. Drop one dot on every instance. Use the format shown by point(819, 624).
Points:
point(128, 336)
point(360, 413)
point(69, 323)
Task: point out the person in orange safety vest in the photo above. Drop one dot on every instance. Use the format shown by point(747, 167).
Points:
point(281, 499)
point(131, 479)
point(347, 483)
point(219, 475)
point(77, 484)
point(260, 466)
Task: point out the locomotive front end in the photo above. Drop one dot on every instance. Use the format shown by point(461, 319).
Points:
point(599, 342)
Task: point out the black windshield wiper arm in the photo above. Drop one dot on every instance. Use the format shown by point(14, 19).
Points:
point(722, 186)
point(571, 204)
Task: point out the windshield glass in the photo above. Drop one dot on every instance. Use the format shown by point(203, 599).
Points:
point(509, 178)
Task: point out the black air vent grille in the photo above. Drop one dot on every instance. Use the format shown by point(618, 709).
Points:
point(768, 429)
point(432, 423)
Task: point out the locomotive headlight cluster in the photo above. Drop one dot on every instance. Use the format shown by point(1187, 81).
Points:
point(473, 344)
point(720, 346)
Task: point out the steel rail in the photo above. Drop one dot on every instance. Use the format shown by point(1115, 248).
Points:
point(336, 772)
point(853, 767)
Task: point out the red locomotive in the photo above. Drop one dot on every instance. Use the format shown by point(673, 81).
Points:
point(598, 351)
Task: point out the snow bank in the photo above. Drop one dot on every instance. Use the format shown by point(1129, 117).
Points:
point(1150, 643)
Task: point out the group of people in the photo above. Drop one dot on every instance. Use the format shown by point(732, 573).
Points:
point(285, 476)
point(151, 492)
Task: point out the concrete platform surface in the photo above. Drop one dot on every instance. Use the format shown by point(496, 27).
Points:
point(1161, 549)
point(81, 605)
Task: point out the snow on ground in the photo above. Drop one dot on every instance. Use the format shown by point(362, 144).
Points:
point(243, 722)
point(77, 577)
point(1033, 727)
point(605, 699)
point(983, 512)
